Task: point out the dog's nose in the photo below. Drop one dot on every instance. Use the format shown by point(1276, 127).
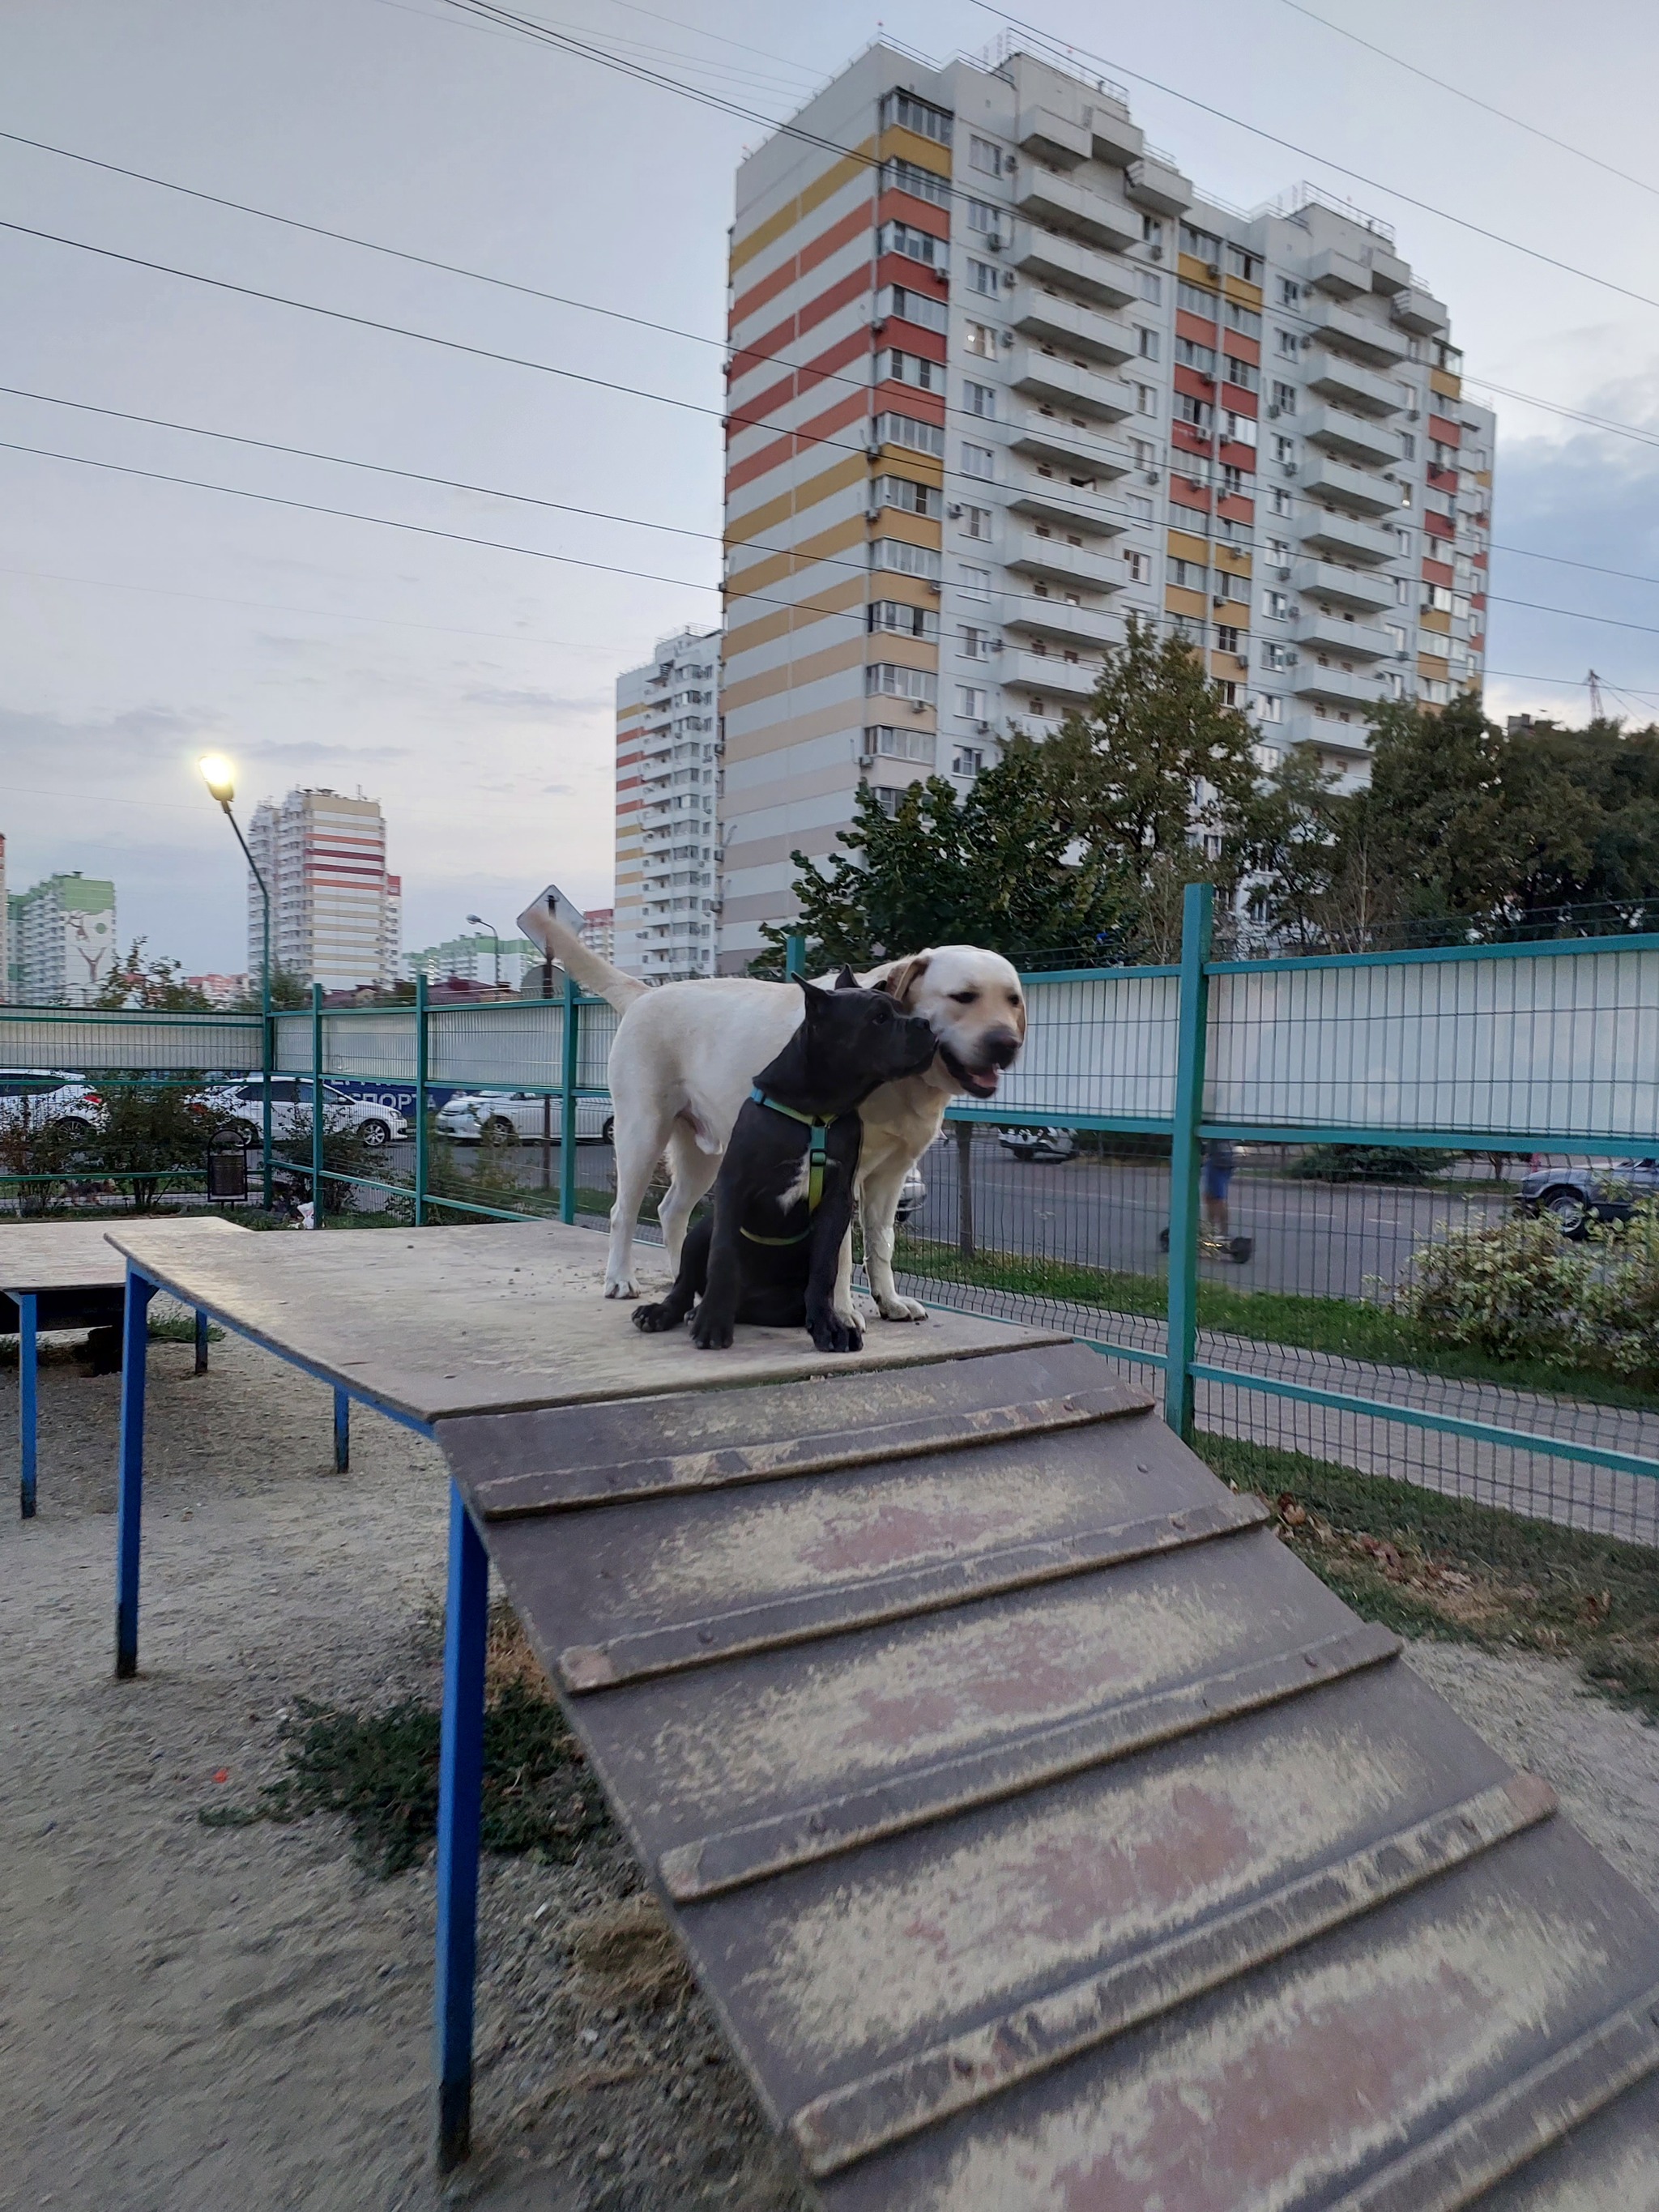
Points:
point(1002, 1046)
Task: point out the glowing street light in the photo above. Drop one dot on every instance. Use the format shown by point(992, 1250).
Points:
point(220, 776)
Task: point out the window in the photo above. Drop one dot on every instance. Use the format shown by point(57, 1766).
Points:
point(1288, 343)
point(976, 582)
point(1146, 344)
point(985, 218)
point(981, 276)
point(901, 558)
point(1140, 565)
point(1436, 597)
point(891, 744)
point(1284, 449)
point(1197, 412)
point(1406, 540)
point(1231, 587)
point(909, 369)
point(1203, 244)
point(967, 760)
point(1408, 445)
point(1146, 398)
point(1277, 549)
point(915, 245)
point(911, 308)
point(1226, 637)
point(905, 621)
point(1275, 656)
point(1290, 293)
point(974, 644)
point(1239, 430)
point(1241, 263)
point(975, 522)
point(906, 430)
point(1151, 284)
point(1397, 636)
point(1196, 300)
point(1143, 452)
point(914, 498)
point(1152, 230)
point(910, 113)
point(1267, 707)
point(970, 701)
point(980, 399)
point(1243, 374)
point(980, 338)
point(1448, 357)
point(1188, 575)
point(1188, 629)
point(1190, 355)
point(885, 677)
point(920, 184)
point(890, 799)
point(982, 154)
point(1276, 605)
point(978, 461)
point(1245, 320)
point(1283, 399)
point(1402, 590)
point(1138, 506)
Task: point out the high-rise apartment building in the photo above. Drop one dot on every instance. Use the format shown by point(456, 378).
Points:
point(61, 934)
point(335, 912)
point(1001, 377)
point(598, 931)
point(5, 930)
point(478, 958)
point(667, 722)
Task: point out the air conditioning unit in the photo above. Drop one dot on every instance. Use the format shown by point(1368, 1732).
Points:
point(954, 510)
point(982, 729)
point(996, 645)
point(1241, 660)
point(1218, 601)
point(1285, 575)
point(918, 706)
point(1289, 467)
point(1008, 337)
point(1273, 414)
point(934, 585)
point(1292, 660)
point(1155, 251)
point(1212, 269)
point(866, 760)
point(1151, 476)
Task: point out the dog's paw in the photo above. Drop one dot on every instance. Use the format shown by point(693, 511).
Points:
point(901, 1309)
point(834, 1332)
point(621, 1286)
point(710, 1331)
point(654, 1319)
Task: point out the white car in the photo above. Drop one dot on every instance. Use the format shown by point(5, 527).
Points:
point(507, 1115)
point(38, 1098)
point(239, 1108)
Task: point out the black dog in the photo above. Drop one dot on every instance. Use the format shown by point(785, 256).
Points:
point(783, 1199)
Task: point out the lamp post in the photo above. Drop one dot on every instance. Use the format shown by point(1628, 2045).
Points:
point(496, 938)
point(219, 777)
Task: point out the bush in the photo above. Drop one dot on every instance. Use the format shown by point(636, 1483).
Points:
point(1622, 1309)
point(1368, 1163)
point(1516, 1290)
point(344, 1153)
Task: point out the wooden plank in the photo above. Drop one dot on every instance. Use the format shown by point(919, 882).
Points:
point(723, 1861)
point(880, 2109)
point(61, 1255)
point(829, 1608)
point(436, 1323)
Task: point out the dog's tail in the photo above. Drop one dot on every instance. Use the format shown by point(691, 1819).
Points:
point(554, 923)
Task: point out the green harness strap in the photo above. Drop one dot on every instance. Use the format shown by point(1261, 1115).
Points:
point(817, 1154)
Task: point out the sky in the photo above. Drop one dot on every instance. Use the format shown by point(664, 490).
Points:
point(468, 686)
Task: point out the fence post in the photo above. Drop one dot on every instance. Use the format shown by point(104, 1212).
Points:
point(794, 955)
point(1196, 917)
point(419, 1101)
point(316, 1105)
point(267, 1063)
point(965, 1189)
point(567, 1104)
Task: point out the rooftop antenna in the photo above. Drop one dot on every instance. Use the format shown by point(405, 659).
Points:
point(1595, 683)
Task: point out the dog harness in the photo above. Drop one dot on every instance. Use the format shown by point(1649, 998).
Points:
point(818, 1153)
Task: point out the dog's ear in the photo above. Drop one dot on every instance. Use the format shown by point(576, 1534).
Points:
point(846, 980)
point(815, 992)
point(902, 978)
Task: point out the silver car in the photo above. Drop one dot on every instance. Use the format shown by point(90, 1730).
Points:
point(1577, 1195)
point(526, 1115)
point(238, 1108)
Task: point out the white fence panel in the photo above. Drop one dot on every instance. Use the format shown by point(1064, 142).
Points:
point(1544, 1043)
point(1097, 1045)
point(149, 1044)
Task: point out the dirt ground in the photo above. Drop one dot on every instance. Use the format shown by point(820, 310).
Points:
point(194, 2017)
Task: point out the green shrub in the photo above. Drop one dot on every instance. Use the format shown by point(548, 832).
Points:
point(1516, 1289)
point(1368, 1163)
point(1622, 1307)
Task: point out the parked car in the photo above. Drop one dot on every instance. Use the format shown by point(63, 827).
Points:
point(238, 1108)
point(502, 1115)
point(1038, 1144)
point(913, 1193)
point(37, 1097)
point(1579, 1195)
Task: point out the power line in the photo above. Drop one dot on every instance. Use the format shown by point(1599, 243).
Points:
point(1307, 154)
point(1458, 92)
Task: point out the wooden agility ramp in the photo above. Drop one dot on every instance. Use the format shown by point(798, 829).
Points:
point(1044, 1833)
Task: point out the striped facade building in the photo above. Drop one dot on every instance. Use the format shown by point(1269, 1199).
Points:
point(335, 914)
point(667, 737)
point(1000, 377)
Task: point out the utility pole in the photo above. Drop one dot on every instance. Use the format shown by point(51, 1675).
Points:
point(1595, 683)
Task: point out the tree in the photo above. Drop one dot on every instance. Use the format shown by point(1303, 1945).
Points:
point(155, 984)
point(289, 993)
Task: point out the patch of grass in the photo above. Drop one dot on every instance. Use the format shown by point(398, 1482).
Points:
point(380, 1769)
point(1346, 1327)
point(180, 1329)
point(1427, 1565)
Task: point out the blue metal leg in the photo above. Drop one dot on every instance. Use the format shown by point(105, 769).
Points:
point(460, 1793)
point(342, 1432)
point(135, 1343)
point(201, 1341)
point(28, 1384)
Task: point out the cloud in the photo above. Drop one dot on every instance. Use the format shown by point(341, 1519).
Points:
point(305, 750)
point(530, 702)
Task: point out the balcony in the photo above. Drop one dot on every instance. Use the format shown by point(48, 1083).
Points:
point(1343, 587)
point(1051, 138)
point(1354, 489)
point(1112, 137)
point(1051, 376)
point(1319, 633)
point(1351, 740)
point(1072, 324)
point(1082, 447)
point(1159, 186)
point(1350, 437)
point(1339, 687)
point(1046, 197)
point(1044, 255)
point(1378, 343)
point(1324, 530)
point(1094, 628)
point(1046, 672)
point(1420, 311)
point(1338, 274)
point(1059, 560)
point(1349, 386)
point(1069, 507)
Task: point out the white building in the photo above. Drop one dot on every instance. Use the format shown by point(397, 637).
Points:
point(335, 912)
point(667, 734)
point(1002, 376)
point(475, 959)
point(62, 940)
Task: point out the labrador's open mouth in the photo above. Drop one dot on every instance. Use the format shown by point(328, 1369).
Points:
point(977, 1082)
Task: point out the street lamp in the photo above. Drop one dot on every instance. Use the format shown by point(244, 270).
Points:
point(482, 924)
point(220, 776)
